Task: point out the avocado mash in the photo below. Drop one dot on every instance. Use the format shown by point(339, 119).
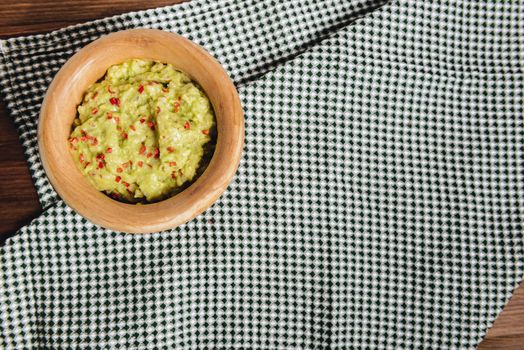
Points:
point(142, 131)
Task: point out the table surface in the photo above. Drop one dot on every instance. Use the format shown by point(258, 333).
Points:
point(18, 199)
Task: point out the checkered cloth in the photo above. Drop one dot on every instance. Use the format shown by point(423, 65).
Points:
point(378, 205)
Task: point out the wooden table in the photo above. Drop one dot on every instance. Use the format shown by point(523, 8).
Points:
point(18, 199)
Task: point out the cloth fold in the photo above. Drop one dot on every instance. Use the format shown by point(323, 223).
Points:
point(248, 37)
point(378, 204)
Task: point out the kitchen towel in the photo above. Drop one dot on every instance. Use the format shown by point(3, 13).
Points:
point(378, 204)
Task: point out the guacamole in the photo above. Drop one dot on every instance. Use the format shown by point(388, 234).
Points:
point(142, 131)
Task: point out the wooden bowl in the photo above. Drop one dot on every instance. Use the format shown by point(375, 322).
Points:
point(90, 64)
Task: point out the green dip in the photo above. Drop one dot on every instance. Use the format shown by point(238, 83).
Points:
point(142, 131)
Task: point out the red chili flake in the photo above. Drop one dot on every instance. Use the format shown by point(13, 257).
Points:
point(109, 150)
point(81, 158)
point(151, 125)
point(100, 165)
point(94, 141)
point(109, 115)
point(172, 163)
point(109, 89)
point(100, 156)
point(115, 101)
point(130, 162)
point(73, 141)
point(124, 135)
point(187, 125)
point(157, 153)
point(176, 106)
point(140, 163)
point(173, 175)
point(94, 95)
point(118, 178)
point(83, 133)
point(119, 170)
point(83, 138)
point(142, 120)
point(132, 127)
point(164, 89)
point(179, 98)
point(124, 165)
point(87, 164)
point(125, 184)
point(205, 132)
point(94, 110)
point(149, 155)
point(170, 149)
point(117, 120)
point(140, 89)
point(142, 149)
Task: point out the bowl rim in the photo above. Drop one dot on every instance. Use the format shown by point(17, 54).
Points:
point(71, 82)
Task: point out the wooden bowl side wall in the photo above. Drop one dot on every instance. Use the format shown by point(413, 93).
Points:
point(90, 64)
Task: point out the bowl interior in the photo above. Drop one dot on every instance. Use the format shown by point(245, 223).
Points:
point(89, 65)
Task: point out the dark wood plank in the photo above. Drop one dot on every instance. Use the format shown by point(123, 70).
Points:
point(18, 200)
point(507, 332)
point(24, 17)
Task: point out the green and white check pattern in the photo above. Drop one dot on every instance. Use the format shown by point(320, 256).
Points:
point(378, 205)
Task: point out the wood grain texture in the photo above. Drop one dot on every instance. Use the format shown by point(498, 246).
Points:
point(18, 200)
point(507, 332)
point(27, 17)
